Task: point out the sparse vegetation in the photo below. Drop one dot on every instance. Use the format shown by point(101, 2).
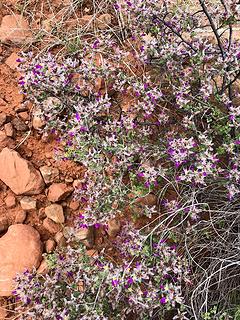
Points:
point(149, 104)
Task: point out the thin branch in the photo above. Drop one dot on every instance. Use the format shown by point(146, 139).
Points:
point(231, 82)
point(176, 33)
point(229, 25)
point(214, 29)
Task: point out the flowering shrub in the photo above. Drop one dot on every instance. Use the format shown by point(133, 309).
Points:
point(152, 110)
point(148, 282)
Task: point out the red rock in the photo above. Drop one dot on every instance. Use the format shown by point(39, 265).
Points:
point(74, 205)
point(5, 141)
point(3, 118)
point(24, 115)
point(149, 200)
point(103, 21)
point(43, 268)
point(20, 249)
point(55, 213)
point(38, 122)
point(11, 61)
point(51, 226)
point(114, 226)
point(15, 28)
point(58, 192)
point(20, 216)
point(49, 173)
point(9, 131)
point(50, 245)
point(19, 174)
point(19, 124)
point(60, 239)
point(28, 203)
point(86, 236)
point(3, 223)
point(10, 201)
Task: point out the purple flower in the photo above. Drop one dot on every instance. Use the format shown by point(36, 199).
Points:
point(83, 199)
point(147, 184)
point(69, 274)
point(83, 129)
point(95, 44)
point(140, 174)
point(21, 83)
point(28, 301)
point(38, 66)
point(77, 116)
point(145, 86)
point(115, 283)
point(130, 280)
point(163, 300)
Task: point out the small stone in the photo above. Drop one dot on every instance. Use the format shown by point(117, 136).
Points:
point(49, 155)
point(149, 200)
point(3, 118)
point(15, 28)
point(3, 224)
point(38, 122)
point(41, 213)
point(74, 205)
point(5, 141)
point(85, 235)
point(114, 226)
point(28, 203)
point(24, 115)
point(49, 174)
point(19, 124)
point(9, 130)
point(77, 184)
point(51, 226)
point(69, 180)
point(103, 21)
point(20, 217)
point(61, 241)
point(10, 201)
point(11, 61)
point(55, 213)
point(21, 108)
point(51, 104)
point(50, 245)
point(19, 174)
point(43, 268)
point(68, 232)
point(58, 192)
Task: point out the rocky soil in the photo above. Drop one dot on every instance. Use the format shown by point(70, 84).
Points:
point(36, 191)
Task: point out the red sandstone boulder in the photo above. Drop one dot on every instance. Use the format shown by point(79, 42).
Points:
point(15, 28)
point(19, 174)
point(20, 249)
